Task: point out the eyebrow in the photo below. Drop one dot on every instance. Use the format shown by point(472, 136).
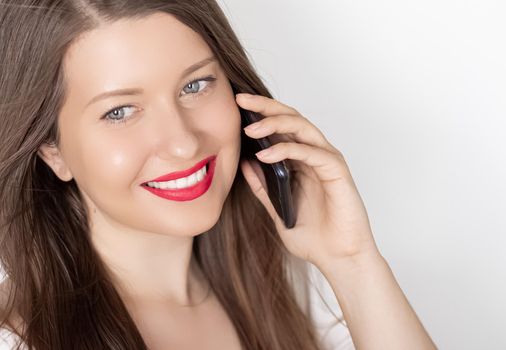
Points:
point(137, 91)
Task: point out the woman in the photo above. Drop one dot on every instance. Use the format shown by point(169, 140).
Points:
point(101, 102)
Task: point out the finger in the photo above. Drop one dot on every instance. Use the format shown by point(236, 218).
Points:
point(298, 128)
point(264, 105)
point(258, 187)
point(328, 166)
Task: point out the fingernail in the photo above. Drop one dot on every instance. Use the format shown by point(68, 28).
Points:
point(244, 95)
point(253, 127)
point(264, 153)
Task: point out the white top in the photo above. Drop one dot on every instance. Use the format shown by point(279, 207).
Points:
point(8, 340)
point(317, 299)
point(333, 335)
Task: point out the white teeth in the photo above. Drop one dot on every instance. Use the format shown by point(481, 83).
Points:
point(182, 182)
point(200, 174)
point(192, 179)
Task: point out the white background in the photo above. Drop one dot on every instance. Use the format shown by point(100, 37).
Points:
point(412, 93)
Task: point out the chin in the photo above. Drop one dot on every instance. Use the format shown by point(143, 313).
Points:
point(187, 225)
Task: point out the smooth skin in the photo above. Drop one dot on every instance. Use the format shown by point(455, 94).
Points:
point(147, 240)
point(169, 126)
point(333, 230)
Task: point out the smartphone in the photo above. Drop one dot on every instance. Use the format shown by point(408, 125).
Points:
point(277, 175)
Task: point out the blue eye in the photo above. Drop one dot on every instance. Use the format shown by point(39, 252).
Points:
point(196, 85)
point(117, 114)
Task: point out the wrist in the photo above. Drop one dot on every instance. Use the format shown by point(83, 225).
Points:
point(352, 265)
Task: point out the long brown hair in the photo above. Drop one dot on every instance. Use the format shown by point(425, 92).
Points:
point(58, 285)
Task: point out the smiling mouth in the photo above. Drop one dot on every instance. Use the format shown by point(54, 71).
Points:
point(181, 182)
point(187, 187)
point(184, 173)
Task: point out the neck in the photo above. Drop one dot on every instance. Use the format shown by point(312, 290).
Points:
point(150, 266)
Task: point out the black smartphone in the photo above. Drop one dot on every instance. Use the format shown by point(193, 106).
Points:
point(277, 175)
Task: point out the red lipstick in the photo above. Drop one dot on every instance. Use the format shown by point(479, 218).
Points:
point(189, 193)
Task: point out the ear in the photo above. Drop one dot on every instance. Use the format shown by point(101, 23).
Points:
point(51, 155)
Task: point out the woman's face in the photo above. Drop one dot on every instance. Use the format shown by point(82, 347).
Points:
point(168, 125)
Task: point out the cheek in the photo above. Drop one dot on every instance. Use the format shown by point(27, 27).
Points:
point(226, 119)
point(107, 163)
point(227, 134)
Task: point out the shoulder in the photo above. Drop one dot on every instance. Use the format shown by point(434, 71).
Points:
point(318, 301)
point(9, 340)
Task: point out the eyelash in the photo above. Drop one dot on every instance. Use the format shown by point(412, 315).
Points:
point(208, 78)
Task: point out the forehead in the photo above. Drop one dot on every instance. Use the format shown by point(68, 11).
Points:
point(129, 51)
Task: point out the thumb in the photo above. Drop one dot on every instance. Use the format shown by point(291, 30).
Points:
point(255, 178)
point(254, 175)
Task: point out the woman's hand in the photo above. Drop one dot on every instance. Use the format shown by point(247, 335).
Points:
point(332, 222)
point(332, 230)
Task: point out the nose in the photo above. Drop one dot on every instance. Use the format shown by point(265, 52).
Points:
point(174, 135)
